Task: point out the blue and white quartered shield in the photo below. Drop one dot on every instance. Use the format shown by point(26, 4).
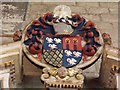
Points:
point(60, 52)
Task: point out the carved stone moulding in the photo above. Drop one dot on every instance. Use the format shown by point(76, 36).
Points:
point(63, 77)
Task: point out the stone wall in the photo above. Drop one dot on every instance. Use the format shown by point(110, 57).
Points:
point(103, 14)
point(12, 15)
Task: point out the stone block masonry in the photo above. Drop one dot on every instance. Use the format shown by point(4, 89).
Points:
point(13, 15)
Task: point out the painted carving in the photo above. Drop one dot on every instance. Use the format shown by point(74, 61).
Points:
point(65, 41)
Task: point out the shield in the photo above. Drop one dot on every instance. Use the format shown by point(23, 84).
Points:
point(62, 50)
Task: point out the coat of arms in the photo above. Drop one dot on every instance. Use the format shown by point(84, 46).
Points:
point(63, 39)
point(63, 43)
point(62, 51)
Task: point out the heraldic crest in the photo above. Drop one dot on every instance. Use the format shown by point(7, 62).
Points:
point(62, 42)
